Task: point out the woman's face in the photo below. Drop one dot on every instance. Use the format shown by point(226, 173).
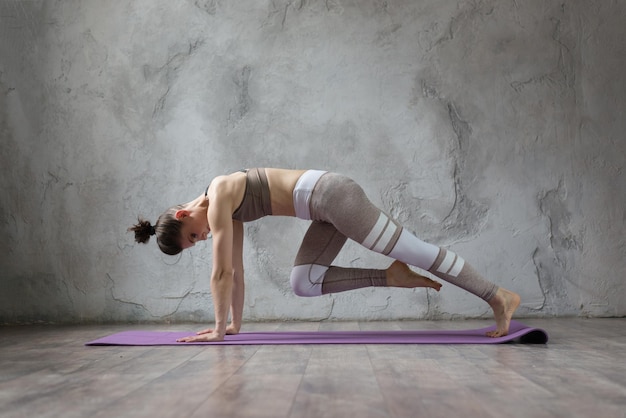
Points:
point(195, 228)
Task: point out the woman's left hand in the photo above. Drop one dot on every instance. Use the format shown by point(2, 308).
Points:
point(205, 337)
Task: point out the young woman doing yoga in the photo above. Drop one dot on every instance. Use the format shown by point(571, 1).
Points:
point(338, 209)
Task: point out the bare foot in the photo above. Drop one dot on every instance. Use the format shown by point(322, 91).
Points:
point(504, 304)
point(400, 275)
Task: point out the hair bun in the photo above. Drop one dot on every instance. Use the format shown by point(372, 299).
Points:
point(143, 230)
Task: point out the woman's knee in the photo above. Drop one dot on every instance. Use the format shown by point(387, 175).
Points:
point(306, 280)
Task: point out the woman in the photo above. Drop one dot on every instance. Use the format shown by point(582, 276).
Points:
point(339, 209)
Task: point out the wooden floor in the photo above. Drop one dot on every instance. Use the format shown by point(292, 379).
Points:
point(46, 371)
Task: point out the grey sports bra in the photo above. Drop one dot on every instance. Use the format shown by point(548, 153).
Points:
point(256, 202)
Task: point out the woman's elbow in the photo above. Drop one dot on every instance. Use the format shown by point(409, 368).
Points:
point(222, 275)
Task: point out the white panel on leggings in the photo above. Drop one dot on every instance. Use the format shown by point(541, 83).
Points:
point(378, 228)
point(447, 262)
point(457, 267)
point(412, 250)
point(386, 237)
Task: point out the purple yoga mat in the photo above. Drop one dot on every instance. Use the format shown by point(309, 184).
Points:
point(517, 332)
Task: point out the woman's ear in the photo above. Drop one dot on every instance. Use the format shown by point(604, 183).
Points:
point(181, 214)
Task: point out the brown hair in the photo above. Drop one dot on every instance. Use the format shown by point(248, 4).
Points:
point(167, 230)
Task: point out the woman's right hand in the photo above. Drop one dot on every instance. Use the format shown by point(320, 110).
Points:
point(207, 337)
point(230, 330)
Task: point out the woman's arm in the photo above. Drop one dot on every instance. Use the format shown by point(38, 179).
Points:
point(221, 223)
point(236, 309)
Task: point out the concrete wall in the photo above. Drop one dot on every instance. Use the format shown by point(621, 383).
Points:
point(495, 128)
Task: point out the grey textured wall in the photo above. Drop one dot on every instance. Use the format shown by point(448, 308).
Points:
point(495, 128)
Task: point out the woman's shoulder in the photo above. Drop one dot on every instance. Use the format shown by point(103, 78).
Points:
point(226, 183)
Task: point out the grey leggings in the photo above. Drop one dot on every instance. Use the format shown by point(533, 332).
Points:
point(339, 210)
